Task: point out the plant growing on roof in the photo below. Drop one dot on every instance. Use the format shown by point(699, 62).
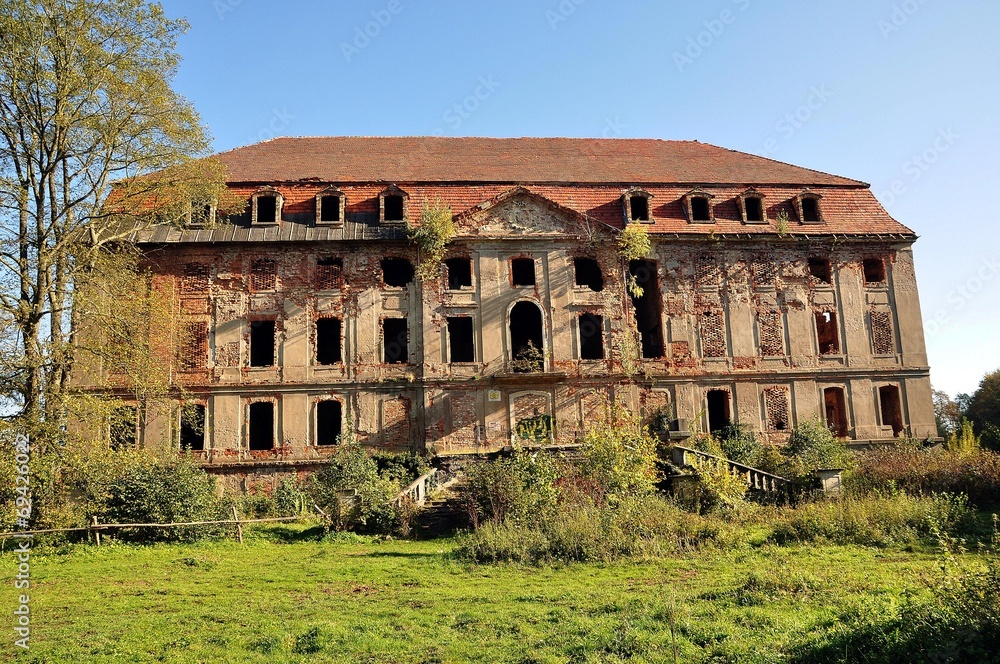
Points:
point(433, 236)
point(782, 220)
point(633, 245)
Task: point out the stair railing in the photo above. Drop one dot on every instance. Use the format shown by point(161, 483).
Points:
point(755, 478)
point(418, 489)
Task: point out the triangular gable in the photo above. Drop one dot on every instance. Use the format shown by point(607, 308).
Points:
point(520, 212)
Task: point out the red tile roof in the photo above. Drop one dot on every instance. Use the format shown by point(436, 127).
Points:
point(356, 159)
point(588, 176)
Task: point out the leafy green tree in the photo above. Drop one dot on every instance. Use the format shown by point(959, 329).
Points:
point(947, 413)
point(984, 410)
point(94, 144)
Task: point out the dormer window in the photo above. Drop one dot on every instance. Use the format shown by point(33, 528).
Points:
point(201, 213)
point(392, 205)
point(698, 206)
point(636, 205)
point(751, 204)
point(330, 207)
point(808, 207)
point(266, 207)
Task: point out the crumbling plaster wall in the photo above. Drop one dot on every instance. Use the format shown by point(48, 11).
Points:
point(449, 408)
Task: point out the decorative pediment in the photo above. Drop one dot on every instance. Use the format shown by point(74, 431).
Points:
point(521, 212)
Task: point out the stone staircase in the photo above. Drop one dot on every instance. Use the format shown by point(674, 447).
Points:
point(759, 481)
point(442, 513)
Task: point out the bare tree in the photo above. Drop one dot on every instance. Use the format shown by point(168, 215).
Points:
point(94, 144)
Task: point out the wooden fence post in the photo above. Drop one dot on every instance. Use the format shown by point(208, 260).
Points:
point(326, 519)
point(239, 527)
point(97, 532)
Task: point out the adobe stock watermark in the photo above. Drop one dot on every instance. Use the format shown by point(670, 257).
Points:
point(223, 7)
point(916, 166)
point(701, 42)
point(562, 13)
point(613, 127)
point(461, 111)
point(22, 502)
point(364, 35)
point(280, 119)
point(961, 295)
point(794, 120)
point(900, 16)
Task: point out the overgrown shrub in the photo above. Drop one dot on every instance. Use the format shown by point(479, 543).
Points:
point(719, 488)
point(739, 443)
point(650, 525)
point(620, 458)
point(352, 491)
point(812, 446)
point(519, 488)
point(152, 491)
point(872, 520)
point(286, 499)
point(922, 471)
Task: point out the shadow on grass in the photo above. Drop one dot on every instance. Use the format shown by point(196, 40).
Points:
point(401, 554)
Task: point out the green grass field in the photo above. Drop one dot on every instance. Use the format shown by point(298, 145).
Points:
point(283, 596)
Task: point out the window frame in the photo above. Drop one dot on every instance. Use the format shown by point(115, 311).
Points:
point(279, 204)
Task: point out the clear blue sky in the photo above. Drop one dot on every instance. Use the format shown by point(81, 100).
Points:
point(856, 87)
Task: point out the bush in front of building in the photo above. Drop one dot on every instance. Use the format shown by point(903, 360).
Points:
point(918, 470)
point(151, 490)
point(354, 494)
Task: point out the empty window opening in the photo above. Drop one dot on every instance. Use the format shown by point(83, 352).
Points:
point(591, 337)
point(262, 343)
point(772, 336)
point(196, 276)
point(328, 341)
point(836, 411)
point(329, 273)
point(640, 208)
point(396, 272)
point(395, 341)
point(459, 273)
point(700, 210)
point(648, 307)
point(819, 268)
point(810, 209)
point(329, 422)
point(267, 209)
point(263, 275)
point(874, 271)
point(892, 411)
point(123, 429)
point(194, 346)
point(776, 408)
point(461, 347)
point(826, 332)
point(718, 410)
point(713, 334)
point(883, 342)
point(522, 271)
point(393, 208)
point(192, 429)
point(329, 209)
point(261, 426)
point(588, 273)
point(526, 339)
point(754, 209)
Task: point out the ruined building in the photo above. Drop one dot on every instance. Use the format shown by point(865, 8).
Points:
point(772, 294)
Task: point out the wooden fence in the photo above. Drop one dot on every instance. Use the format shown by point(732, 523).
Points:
point(95, 528)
